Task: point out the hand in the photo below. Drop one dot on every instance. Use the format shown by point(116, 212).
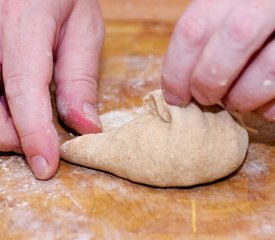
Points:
point(222, 50)
point(32, 31)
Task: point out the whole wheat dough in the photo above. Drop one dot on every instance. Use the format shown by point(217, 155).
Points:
point(165, 146)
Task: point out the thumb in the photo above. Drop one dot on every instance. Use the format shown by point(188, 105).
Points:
point(76, 68)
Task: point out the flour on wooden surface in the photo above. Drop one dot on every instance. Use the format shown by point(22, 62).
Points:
point(257, 164)
point(17, 190)
point(118, 118)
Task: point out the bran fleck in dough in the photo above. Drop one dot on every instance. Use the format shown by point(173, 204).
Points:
point(165, 145)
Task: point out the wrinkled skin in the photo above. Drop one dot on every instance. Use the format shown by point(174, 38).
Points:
point(212, 57)
point(32, 34)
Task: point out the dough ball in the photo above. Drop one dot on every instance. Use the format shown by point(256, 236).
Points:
point(165, 145)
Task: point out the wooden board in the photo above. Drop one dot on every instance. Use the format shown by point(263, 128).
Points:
point(80, 203)
point(145, 10)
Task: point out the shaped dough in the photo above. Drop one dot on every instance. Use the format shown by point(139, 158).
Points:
point(165, 146)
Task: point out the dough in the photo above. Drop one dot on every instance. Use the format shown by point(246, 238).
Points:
point(165, 145)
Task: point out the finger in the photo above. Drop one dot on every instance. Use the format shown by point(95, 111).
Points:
point(256, 86)
point(268, 111)
point(9, 140)
point(230, 48)
point(76, 69)
point(27, 71)
point(191, 34)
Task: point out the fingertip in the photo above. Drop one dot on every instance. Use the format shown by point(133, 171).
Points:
point(267, 111)
point(90, 113)
point(175, 94)
point(238, 103)
point(82, 118)
point(40, 167)
point(200, 97)
point(42, 152)
point(172, 99)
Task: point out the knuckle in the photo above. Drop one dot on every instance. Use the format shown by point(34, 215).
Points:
point(9, 7)
point(28, 134)
point(35, 131)
point(85, 84)
point(17, 16)
point(192, 29)
point(86, 80)
point(12, 12)
point(210, 88)
point(202, 80)
point(240, 33)
point(16, 85)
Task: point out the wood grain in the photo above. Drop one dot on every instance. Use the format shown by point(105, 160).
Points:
point(80, 203)
point(143, 10)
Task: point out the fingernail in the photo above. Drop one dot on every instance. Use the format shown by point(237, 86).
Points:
point(40, 167)
point(91, 114)
point(172, 99)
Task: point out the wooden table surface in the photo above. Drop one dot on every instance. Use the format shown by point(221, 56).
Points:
point(80, 203)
